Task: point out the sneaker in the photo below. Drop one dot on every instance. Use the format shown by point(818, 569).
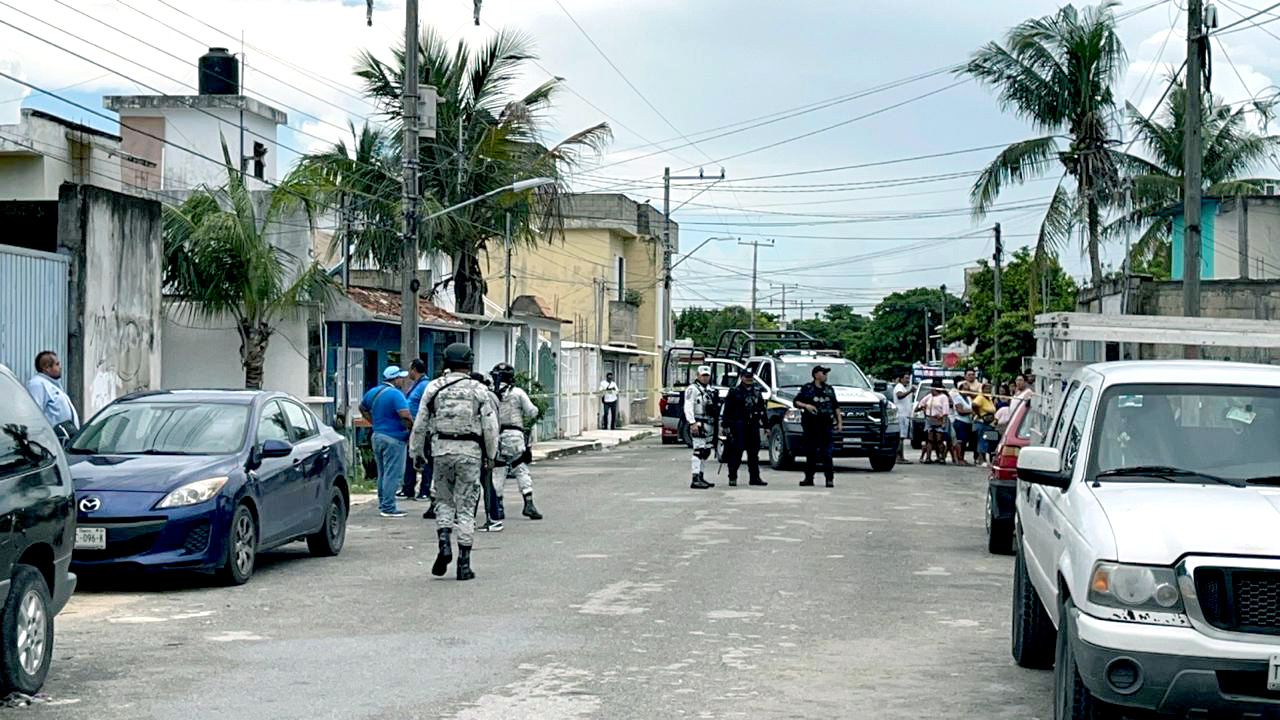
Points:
point(403, 494)
point(495, 526)
point(393, 514)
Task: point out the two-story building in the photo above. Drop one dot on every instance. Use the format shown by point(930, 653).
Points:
point(604, 276)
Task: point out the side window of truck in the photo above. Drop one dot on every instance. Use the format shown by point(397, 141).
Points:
point(1075, 432)
point(1064, 415)
point(765, 373)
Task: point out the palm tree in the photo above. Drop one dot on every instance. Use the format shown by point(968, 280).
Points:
point(1231, 152)
point(486, 139)
point(1057, 72)
point(219, 263)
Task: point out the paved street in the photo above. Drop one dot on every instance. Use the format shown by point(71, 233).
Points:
point(635, 598)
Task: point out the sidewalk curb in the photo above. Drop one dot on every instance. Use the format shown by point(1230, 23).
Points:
point(592, 446)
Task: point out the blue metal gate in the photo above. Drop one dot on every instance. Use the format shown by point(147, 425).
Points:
point(33, 307)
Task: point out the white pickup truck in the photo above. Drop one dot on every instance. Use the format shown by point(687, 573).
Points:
point(1148, 542)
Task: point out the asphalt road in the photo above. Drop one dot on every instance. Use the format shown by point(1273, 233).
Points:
point(635, 598)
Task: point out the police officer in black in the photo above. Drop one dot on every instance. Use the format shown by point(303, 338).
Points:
point(821, 415)
point(743, 418)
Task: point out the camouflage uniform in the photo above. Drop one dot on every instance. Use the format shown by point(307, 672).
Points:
point(699, 407)
point(457, 412)
point(514, 410)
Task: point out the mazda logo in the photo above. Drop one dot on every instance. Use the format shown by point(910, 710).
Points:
point(90, 504)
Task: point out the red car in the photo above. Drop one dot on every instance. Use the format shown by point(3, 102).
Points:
point(1022, 430)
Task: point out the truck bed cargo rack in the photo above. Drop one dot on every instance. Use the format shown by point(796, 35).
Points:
point(742, 344)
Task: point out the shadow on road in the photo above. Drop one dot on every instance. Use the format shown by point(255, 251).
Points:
point(135, 580)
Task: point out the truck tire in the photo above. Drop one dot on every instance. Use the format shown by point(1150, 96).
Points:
point(1033, 634)
point(999, 531)
point(780, 457)
point(26, 631)
point(1072, 698)
point(884, 463)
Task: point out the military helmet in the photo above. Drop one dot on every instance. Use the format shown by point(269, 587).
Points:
point(458, 355)
point(503, 374)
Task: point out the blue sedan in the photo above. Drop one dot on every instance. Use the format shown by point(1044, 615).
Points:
point(204, 480)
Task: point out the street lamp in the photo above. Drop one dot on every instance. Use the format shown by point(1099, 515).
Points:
point(518, 186)
point(700, 246)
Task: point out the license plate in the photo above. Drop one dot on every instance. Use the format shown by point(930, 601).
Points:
point(91, 538)
point(1273, 674)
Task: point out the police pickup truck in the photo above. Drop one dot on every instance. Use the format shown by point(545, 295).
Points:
point(783, 361)
point(679, 368)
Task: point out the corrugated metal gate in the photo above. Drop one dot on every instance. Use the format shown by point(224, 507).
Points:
point(33, 307)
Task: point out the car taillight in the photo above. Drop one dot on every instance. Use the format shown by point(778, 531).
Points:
point(662, 404)
point(1008, 456)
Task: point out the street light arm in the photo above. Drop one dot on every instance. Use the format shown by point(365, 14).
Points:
point(691, 252)
point(515, 187)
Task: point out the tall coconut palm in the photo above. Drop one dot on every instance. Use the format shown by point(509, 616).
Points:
point(1057, 72)
point(486, 138)
point(220, 263)
point(1231, 153)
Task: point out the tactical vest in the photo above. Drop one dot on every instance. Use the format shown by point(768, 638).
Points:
point(510, 410)
point(455, 409)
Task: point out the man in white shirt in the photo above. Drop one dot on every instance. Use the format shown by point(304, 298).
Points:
point(609, 396)
point(903, 394)
point(49, 395)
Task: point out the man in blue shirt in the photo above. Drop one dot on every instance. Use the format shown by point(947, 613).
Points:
point(49, 395)
point(417, 385)
point(388, 412)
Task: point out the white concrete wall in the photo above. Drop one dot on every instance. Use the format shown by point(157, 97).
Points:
point(199, 354)
point(36, 157)
point(490, 346)
point(203, 131)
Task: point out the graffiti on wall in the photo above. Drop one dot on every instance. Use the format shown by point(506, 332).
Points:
point(119, 360)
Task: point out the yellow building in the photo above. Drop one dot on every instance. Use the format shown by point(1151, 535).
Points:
point(604, 277)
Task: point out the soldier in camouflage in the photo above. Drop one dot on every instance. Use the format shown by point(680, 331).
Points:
point(515, 410)
point(464, 440)
point(700, 400)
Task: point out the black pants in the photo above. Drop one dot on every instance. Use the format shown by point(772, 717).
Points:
point(411, 479)
point(743, 438)
point(610, 419)
point(818, 444)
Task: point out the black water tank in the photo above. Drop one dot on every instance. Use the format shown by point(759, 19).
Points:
point(219, 73)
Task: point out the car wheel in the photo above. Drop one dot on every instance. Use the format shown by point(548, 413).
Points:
point(328, 540)
point(999, 532)
point(883, 463)
point(1033, 633)
point(242, 547)
point(26, 631)
point(780, 457)
point(1072, 699)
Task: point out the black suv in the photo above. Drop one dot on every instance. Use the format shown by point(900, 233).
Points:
point(37, 532)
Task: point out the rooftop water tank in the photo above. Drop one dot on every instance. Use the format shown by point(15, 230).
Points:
point(219, 73)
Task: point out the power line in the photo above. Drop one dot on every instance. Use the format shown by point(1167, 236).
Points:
point(1228, 28)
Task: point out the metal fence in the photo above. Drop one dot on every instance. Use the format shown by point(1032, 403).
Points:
point(33, 307)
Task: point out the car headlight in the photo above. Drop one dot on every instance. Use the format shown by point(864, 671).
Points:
point(192, 493)
point(792, 415)
point(1135, 587)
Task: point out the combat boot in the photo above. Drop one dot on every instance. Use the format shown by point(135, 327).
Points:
point(807, 482)
point(831, 482)
point(733, 482)
point(464, 563)
point(700, 484)
point(530, 511)
point(445, 556)
point(757, 481)
point(430, 514)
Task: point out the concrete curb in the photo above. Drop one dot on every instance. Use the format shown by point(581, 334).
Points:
point(588, 446)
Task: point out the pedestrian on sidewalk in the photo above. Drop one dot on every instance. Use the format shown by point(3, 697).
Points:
point(743, 418)
point(984, 421)
point(417, 481)
point(464, 441)
point(821, 414)
point(50, 397)
point(937, 408)
point(961, 422)
point(902, 394)
point(515, 412)
point(388, 411)
point(700, 400)
point(609, 401)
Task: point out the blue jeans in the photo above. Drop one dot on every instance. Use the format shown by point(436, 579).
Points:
point(389, 454)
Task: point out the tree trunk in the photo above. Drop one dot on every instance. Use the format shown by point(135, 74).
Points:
point(254, 338)
point(468, 283)
point(1095, 230)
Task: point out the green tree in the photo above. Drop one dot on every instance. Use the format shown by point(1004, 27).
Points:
point(704, 326)
point(220, 263)
point(839, 326)
point(1020, 282)
point(486, 138)
point(895, 336)
point(1057, 72)
point(1231, 153)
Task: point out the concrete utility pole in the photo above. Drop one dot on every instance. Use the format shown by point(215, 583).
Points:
point(409, 225)
point(1192, 156)
point(664, 295)
point(755, 264)
point(344, 403)
point(783, 321)
point(942, 328)
point(506, 240)
point(927, 343)
point(995, 327)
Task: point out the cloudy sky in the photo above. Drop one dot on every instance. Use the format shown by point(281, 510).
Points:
point(824, 115)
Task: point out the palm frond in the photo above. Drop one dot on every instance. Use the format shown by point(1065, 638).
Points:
point(1017, 163)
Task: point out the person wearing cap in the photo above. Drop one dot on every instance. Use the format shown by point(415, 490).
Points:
point(700, 401)
point(821, 414)
point(743, 418)
point(388, 411)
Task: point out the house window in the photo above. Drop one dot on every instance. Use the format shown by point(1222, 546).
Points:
point(620, 268)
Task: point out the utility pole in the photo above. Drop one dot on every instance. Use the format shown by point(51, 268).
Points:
point(755, 264)
point(927, 343)
point(345, 387)
point(802, 311)
point(664, 297)
point(409, 218)
point(1192, 155)
point(943, 328)
point(506, 240)
point(995, 327)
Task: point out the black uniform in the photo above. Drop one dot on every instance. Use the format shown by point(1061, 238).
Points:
point(743, 418)
point(818, 429)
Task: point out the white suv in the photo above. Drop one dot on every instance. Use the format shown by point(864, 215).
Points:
point(1148, 539)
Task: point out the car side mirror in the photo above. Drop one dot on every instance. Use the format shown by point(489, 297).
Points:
point(765, 394)
point(276, 448)
point(255, 458)
point(1042, 466)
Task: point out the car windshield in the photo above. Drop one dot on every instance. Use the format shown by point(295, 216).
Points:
point(844, 374)
point(1228, 432)
point(135, 428)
